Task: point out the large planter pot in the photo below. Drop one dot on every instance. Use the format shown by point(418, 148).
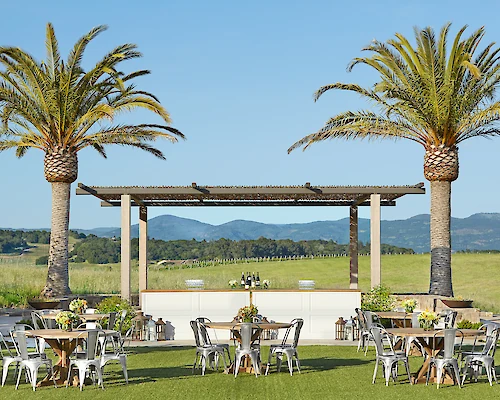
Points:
point(457, 303)
point(44, 304)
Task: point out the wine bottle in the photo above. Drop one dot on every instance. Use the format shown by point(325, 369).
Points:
point(242, 282)
point(257, 281)
point(247, 282)
point(253, 279)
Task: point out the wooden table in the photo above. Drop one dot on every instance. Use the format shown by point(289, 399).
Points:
point(235, 327)
point(63, 343)
point(420, 334)
point(399, 318)
point(83, 317)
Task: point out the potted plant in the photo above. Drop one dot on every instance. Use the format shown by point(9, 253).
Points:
point(457, 302)
point(409, 305)
point(246, 313)
point(78, 306)
point(428, 319)
point(66, 319)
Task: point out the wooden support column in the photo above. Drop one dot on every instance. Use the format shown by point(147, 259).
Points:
point(143, 250)
point(375, 240)
point(125, 246)
point(353, 247)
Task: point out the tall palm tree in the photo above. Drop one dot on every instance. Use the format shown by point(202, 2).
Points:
point(58, 107)
point(434, 96)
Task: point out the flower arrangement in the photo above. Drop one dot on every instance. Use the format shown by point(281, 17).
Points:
point(247, 313)
point(78, 305)
point(428, 319)
point(233, 283)
point(266, 283)
point(65, 319)
point(409, 305)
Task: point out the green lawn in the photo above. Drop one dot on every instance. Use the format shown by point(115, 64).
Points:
point(328, 372)
point(474, 275)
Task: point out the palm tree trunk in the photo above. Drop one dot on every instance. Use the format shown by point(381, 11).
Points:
point(57, 276)
point(441, 283)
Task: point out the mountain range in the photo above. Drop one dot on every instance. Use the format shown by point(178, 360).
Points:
point(477, 232)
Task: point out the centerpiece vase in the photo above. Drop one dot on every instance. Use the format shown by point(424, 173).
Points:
point(428, 326)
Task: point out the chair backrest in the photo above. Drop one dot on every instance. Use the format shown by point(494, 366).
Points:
point(196, 332)
point(202, 329)
point(4, 347)
point(415, 323)
point(449, 319)
point(448, 336)
point(94, 342)
point(123, 314)
point(22, 327)
point(246, 330)
point(377, 333)
point(490, 343)
point(296, 324)
point(20, 343)
point(112, 320)
point(38, 321)
point(361, 319)
point(372, 319)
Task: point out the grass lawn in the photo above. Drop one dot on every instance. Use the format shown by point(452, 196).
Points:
point(474, 275)
point(328, 372)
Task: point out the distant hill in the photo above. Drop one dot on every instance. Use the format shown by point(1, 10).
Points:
point(477, 232)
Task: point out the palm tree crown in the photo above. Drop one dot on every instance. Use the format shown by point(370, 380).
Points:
point(55, 104)
point(434, 96)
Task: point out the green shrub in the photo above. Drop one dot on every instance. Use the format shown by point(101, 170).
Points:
point(378, 299)
point(43, 260)
point(117, 304)
point(466, 324)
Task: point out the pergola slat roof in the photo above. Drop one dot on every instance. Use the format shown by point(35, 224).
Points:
point(230, 196)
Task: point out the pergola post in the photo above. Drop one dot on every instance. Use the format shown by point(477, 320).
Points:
point(353, 247)
point(125, 246)
point(375, 240)
point(143, 250)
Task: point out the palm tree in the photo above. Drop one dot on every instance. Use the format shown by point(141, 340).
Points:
point(434, 97)
point(60, 108)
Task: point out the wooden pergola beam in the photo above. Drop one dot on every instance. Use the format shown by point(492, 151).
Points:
point(245, 203)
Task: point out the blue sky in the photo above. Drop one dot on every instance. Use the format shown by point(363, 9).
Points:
point(238, 79)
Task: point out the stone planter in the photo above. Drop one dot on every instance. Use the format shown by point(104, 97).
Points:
point(457, 303)
point(44, 304)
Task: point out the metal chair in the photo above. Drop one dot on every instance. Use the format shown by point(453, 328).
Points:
point(7, 358)
point(117, 353)
point(288, 349)
point(91, 360)
point(447, 319)
point(123, 314)
point(206, 352)
point(444, 358)
point(206, 337)
point(29, 361)
point(389, 358)
point(245, 348)
point(475, 360)
point(364, 332)
point(112, 320)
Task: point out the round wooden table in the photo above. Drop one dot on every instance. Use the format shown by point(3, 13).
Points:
point(83, 317)
point(63, 343)
point(400, 319)
point(420, 334)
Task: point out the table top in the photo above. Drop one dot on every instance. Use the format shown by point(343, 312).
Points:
point(60, 334)
point(236, 325)
point(420, 332)
point(393, 314)
point(86, 317)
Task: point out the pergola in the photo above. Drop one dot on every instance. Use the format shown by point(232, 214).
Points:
point(247, 196)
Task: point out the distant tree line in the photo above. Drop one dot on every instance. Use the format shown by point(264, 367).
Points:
point(97, 250)
point(16, 241)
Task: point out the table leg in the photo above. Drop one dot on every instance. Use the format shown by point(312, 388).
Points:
point(63, 348)
point(422, 372)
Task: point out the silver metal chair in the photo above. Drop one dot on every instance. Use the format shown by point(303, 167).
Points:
point(288, 349)
point(112, 320)
point(123, 315)
point(364, 332)
point(206, 337)
point(29, 361)
point(389, 358)
point(7, 358)
point(447, 319)
point(445, 358)
point(475, 360)
point(245, 348)
point(91, 361)
point(117, 353)
point(205, 351)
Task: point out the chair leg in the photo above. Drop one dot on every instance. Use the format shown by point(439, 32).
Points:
point(237, 361)
point(203, 361)
point(439, 375)
point(255, 365)
point(388, 371)
point(457, 374)
point(297, 361)
point(5, 370)
point(375, 371)
point(289, 360)
point(269, 361)
point(279, 359)
point(195, 362)
point(19, 375)
point(407, 366)
point(123, 362)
